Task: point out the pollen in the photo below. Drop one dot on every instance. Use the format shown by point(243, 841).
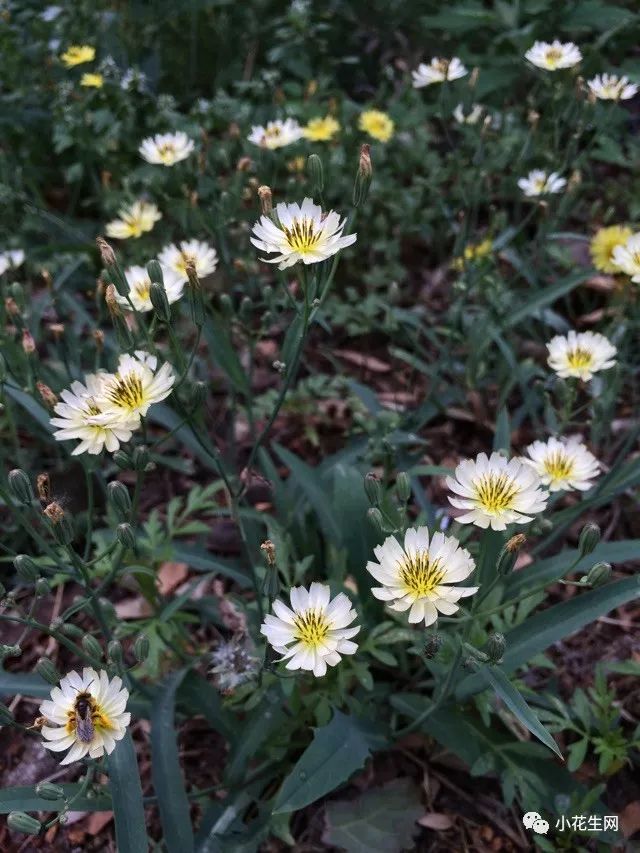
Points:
point(312, 628)
point(579, 358)
point(558, 465)
point(302, 237)
point(126, 392)
point(495, 493)
point(420, 575)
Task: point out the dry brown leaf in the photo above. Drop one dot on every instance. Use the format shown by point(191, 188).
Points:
point(170, 576)
point(97, 822)
point(133, 608)
point(630, 818)
point(369, 362)
point(436, 820)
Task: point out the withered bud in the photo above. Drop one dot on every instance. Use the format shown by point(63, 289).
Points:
point(49, 398)
point(54, 512)
point(98, 337)
point(28, 344)
point(11, 306)
point(575, 179)
point(266, 200)
point(112, 302)
point(312, 88)
point(581, 89)
point(56, 329)
point(43, 487)
point(234, 130)
point(516, 542)
point(192, 275)
point(244, 164)
point(106, 252)
point(46, 277)
point(239, 265)
point(533, 118)
point(473, 78)
point(269, 551)
point(365, 167)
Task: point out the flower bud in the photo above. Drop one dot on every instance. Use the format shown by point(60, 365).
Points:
point(154, 271)
point(125, 536)
point(49, 791)
point(598, 574)
point(269, 551)
point(158, 297)
point(363, 176)
point(226, 305)
point(91, 646)
point(266, 200)
point(403, 487)
point(197, 395)
point(432, 646)
point(48, 397)
point(496, 644)
point(373, 489)
point(122, 460)
point(589, 538)
point(9, 652)
point(113, 306)
point(509, 554)
point(25, 568)
point(42, 587)
point(22, 822)
point(119, 500)
point(107, 255)
point(114, 651)
point(375, 517)
point(47, 670)
point(141, 647)
point(70, 630)
point(316, 173)
point(246, 309)
point(141, 458)
point(116, 276)
point(43, 487)
point(20, 486)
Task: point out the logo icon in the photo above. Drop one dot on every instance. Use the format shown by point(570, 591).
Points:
point(534, 821)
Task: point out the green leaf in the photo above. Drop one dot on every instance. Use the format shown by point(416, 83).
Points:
point(547, 296)
point(126, 792)
point(25, 799)
point(30, 405)
point(198, 696)
point(165, 770)
point(216, 332)
point(502, 436)
point(261, 723)
point(201, 561)
point(515, 702)
point(577, 753)
point(382, 820)
point(335, 753)
point(12, 683)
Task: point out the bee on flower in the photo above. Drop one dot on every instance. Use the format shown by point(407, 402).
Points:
point(437, 71)
point(138, 384)
point(134, 221)
point(610, 87)
point(377, 124)
point(140, 289)
point(78, 54)
point(312, 634)
point(469, 116)
point(580, 354)
point(276, 134)
point(166, 149)
point(85, 715)
point(420, 576)
point(11, 259)
point(175, 258)
point(626, 257)
point(538, 182)
point(92, 81)
point(301, 233)
point(603, 245)
point(321, 129)
point(563, 464)
point(496, 491)
point(554, 56)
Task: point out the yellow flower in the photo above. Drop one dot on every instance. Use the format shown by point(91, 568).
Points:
point(473, 252)
point(321, 129)
point(77, 54)
point(604, 242)
point(93, 81)
point(377, 124)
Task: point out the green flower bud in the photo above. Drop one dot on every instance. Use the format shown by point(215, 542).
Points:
point(70, 630)
point(108, 609)
point(126, 537)
point(403, 487)
point(160, 302)
point(496, 644)
point(119, 499)
point(141, 458)
point(20, 486)
point(91, 646)
point(6, 717)
point(154, 271)
point(122, 460)
point(42, 587)
point(316, 174)
point(114, 651)
point(197, 395)
point(375, 517)
point(598, 574)
point(432, 646)
point(26, 569)
point(49, 791)
point(22, 822)
point(47, 670)
point(246, 309)
point(589, 538)
point(141, 648)
point(226, 305)
point(373, 489)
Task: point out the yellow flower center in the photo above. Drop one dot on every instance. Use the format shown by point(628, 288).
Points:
point(495, 492)
point(92, 407)
point(142, 289)
point(540, 184)
point(419, 574)
point(167, 152)
point(302, 237)
point(134, 226)
point(312, 628)
point(579, 358)
point(127, 392)
point(558, 465)
point(273, 132)
point(553, 56)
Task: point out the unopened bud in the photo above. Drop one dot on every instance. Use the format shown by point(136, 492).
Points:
point(49, 791)
point(119, 499)
point(496, 644)
point(226, 305)
point(160, 302)
point(22, 822)
point(375, 517)
point(432, 646)
point(316, 173)
point(197, 395)
point(141, 458)
point(92, 647)
point(42, 588)
point(598, 574)
point(589, 538)
point(141, 648)
point(20, 486)
point(47, 670)
point(126, 537)
point(122, 459)
point(363, 176)
point(43, 487)
point(114, 651)
point(49, 398)
point(403, 487)
point(26, 569)
point(113, 306)
point(509, 554)
point(266, 200)
point(246, 309)
point(154, 271)
point(373, 489)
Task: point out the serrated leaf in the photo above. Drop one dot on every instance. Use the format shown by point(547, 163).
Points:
point(126, 793)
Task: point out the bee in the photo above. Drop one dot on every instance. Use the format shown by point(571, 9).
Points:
point(84, 722)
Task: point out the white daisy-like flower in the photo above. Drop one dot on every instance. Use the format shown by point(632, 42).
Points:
point(134, 220)
point(470, 116)
point(140, 289)
point(83, 414)
point(538, 182)
point(627, 257)
point(137, 385)
point(313, 633)
point(610, 87)
point(419, 576)
point(554, 56)
point(496, 491)
point(11, 259)
point(276, 134)
point(563, 464)
point(580, 354)
point(302, 233)
point(437, 71)
point(166, 149)
point(201, 254)
point(86, 715)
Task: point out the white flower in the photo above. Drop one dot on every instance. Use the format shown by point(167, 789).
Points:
point(313, 633)
point(580, 354)
point(627, 257)
point(202, 255)
point(554, 56)
point(437, 71)
point(473, 115)
point(166, 149)
point(538, 182)
point(134, 220)
point(140, 289)
point(87, 713)
point(137, 385)
point(11, 259)
point(276, 134)
point(610, 87)
point(419, 576)
point(563, 464)
point(496, 491)
point(303, 233)
point(83, 414)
